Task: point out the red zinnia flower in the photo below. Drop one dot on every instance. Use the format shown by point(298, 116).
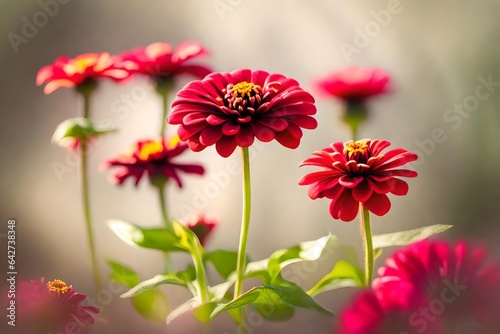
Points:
point(52, 306)
point(202, 227)
point(154, 157)
point(159, 60)
point(67, 72)
point(358, 172)
point(354, 84)
point(457, 281)
point(232, 109)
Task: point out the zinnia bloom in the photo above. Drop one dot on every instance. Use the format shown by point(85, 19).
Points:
point(232, 109)
point(161, 61)
point(458, 282)
point(71, 72)
point(353, 84)
point(51, 306)
point(358, 172)
point(156, 158)
point(202, 227)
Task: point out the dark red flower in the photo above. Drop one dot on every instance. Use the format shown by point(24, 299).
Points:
point(353, 84)
point(51, 306)
point(202, 227)
point(358, 172)
point(71, 72)
point(456, 280)
point(156, 158)
point(232, 109)
point(160, 60)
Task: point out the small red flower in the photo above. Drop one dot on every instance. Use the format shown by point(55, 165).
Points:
point(160, 60)
point(232, 109)
point(358, 172)
point(354, 84)
point(52, 306)
point(456, 279)
point(154, 157)
point(202, 227)
point(67, 72)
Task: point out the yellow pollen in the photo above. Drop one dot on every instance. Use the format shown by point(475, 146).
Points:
point(79, 65)
point(173, 143)
point(148, 149)
point(353, 148)
point(57, 286)
point(244, 88)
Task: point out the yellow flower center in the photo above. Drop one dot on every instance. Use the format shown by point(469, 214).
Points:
point(173, 143)
point(79, 65)
point(57, 286)
point(356, 149)
point(245, 88)
point(149, 149)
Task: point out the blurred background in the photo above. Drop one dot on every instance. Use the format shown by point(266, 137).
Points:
point(436, 52)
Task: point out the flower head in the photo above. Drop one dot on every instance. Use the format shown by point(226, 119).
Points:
point(52, 306)
point(202, 227)
point(353, 84)
point(161, 61)
point(232, 109)
point(156, 158)
point(73, 72)
point(358, 172)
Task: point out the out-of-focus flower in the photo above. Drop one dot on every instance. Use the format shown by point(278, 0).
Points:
point(73, 72)
point(358, 172)
point(353, 84)
point(202, 227)
point(457, 280)
point(233, 108)
point(161, 62)
point(156, 158)
point(52, 306)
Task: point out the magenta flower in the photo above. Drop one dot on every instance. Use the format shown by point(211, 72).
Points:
point(353, 84)
point(67, 72)
point(161, 61)
point(154, 158)
point(232, 109)
point(52, 306)
point(202, 227)
point(358, 172)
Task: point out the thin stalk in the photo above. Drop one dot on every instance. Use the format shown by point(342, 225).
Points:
point(366, 234)
point(354, 130)
point(201, 278)
point(163, 206)
point(245, 223)
point(164, 97)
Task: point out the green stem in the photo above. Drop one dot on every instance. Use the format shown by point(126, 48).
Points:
point(366, 234)
point(163, 206)
point(165, 111)
point(354, 130)
point(245, 223)
point(87, 213)
point(201, 278)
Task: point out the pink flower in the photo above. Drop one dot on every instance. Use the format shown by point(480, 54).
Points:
point(156, 158)
point(202, 227)
point(353, 84)
point(232, 109)
point(358, 172)
point(456, 279)
point(161, 61)
point(51, 306)
point(67, 72)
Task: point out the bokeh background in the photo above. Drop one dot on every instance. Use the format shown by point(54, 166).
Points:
point(435, 52)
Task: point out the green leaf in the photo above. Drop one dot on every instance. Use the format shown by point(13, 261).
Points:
point(404, 238)
point(273, 302)
point(152, 238)
point(187, 306)
point(123, 274)
point(223, 261)
point(376, 253)
point(78, 128)
point(342, 275)
point(152, 305)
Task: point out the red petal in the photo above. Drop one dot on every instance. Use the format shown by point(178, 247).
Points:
point(210, 135)
point(378, 204)
point(345, 207)
point(225, 146)
point(245, 136)
point(400, 187)
point(362, 192)
point(230, 128)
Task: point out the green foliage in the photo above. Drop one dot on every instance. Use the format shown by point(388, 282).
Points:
point(404, 238)
point(77, 128)
point(342, 275)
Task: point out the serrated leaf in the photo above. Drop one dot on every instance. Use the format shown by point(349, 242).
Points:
point(152, 238)
point(404, 238)
point(123, 274)
point(342, 275)
point(152, 305)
